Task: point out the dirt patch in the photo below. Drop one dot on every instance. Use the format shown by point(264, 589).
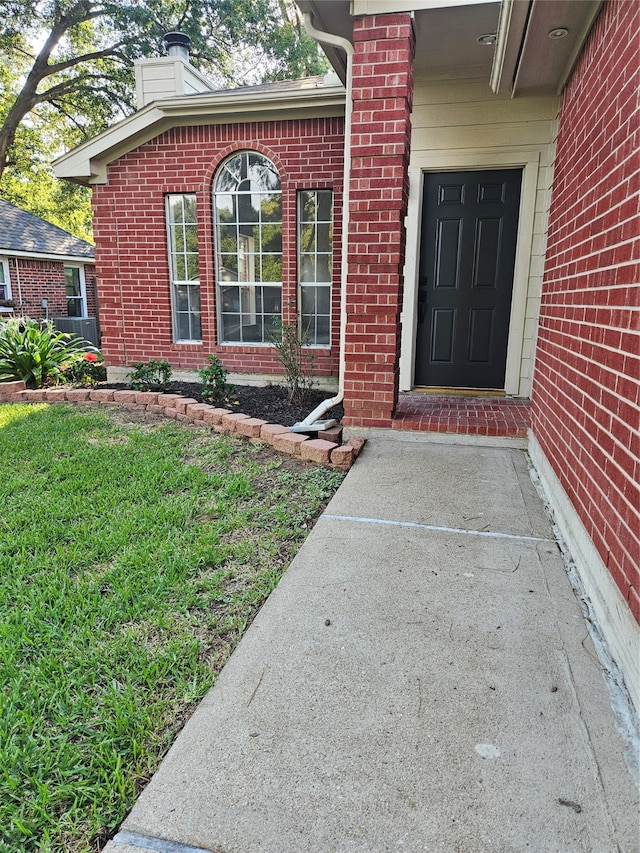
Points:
point(262, 453)
point(134, 416)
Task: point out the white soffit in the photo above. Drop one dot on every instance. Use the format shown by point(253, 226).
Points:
point(446, 32)
point(379, 7)
point(447, 45)
point(527, 59)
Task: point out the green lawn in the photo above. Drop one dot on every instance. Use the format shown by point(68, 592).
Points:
point(132, 557)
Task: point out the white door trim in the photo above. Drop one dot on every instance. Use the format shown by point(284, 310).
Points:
point(453, 161)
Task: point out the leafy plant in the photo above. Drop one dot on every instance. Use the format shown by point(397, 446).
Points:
point(35, 352)
point(294, 360)
point(150, 376)
point(214, 380)
point(88, 370)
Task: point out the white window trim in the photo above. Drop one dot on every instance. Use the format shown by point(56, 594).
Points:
point(328, 284)
point(173, 283)
point(4, 263)
point(83, 287)
point(249, 258)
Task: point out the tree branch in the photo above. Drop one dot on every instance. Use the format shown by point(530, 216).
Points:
point(106, 53)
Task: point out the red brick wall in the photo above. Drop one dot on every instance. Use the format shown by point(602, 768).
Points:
point(380, 144)
point(34, 280)
point(586, 395)
point(38, 280)
point(90, 287)
point(130, 232)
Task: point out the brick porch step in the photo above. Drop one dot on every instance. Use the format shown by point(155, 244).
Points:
point(504, 417)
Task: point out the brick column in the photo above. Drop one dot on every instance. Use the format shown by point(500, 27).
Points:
point(379, 188)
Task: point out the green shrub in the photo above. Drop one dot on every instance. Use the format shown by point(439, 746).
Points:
point(88, 370)
point(214, 380)
point(36, 353)
point(150, 375)
point(294, 360)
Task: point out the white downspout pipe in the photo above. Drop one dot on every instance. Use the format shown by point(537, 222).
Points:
point(311, 421)
point(18, 282)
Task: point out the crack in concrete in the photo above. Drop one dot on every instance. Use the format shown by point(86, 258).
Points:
point(435, 528)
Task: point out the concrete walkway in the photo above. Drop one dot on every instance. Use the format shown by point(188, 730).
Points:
point(421, 679)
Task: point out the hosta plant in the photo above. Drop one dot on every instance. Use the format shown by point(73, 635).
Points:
point(36, 352)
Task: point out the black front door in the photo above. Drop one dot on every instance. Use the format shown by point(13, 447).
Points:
point(467, 257)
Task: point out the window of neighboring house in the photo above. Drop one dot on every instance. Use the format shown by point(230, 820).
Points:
point(184, 266)
point(315, 264)
point(247, 202)
point(76, 296)
point(5, 281)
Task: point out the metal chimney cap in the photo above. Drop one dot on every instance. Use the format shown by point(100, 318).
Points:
point(177, 40)
point(177, 45)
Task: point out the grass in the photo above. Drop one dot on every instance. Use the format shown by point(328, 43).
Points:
point(132, 558)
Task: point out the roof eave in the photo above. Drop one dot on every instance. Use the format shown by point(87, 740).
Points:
point(333, 18)
point(526, 59)
point(46, 256)
point(88, 162)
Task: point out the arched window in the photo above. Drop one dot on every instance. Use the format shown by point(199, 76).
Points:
point(247, 203)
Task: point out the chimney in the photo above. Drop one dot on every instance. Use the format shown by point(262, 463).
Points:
point(178, 44)
point(162, 77)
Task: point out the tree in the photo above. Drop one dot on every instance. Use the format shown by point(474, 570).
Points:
point(66, 67)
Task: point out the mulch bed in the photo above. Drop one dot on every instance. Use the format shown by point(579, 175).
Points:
point(269, 403)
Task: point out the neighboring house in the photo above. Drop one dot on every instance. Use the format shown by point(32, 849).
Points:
point(45, 272)
point(456, 208)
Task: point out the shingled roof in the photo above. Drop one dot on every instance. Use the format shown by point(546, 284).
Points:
point(26, 234)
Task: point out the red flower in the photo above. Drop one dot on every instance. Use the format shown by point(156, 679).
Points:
point(90, 356)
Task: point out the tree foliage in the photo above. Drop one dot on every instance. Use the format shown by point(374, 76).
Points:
point(66, 73)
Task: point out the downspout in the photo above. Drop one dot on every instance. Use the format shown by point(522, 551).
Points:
point(311, 422)
point(18, 282)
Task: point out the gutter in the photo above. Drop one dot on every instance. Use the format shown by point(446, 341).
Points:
point(43, 256)
point(313, 422)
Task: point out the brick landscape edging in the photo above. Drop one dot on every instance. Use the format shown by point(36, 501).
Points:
point(282, 439)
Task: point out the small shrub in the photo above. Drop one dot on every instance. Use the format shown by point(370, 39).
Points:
point(36, 353)
point(87, 370)
point(214, 380)
point(150, 375)
point(296, 363)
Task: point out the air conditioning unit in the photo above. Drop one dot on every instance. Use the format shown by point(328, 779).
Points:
point(83, 327)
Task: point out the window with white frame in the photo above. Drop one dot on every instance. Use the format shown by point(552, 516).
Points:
point(5, 281)
point(315, 240)
point(247, 203)
point(76, 294)
point(184, 266)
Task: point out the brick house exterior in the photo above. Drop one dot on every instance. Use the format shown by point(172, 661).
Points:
point(586, 392)
point(380, 144)
point(41, 263)
point(131, 235)
point(424, 98)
